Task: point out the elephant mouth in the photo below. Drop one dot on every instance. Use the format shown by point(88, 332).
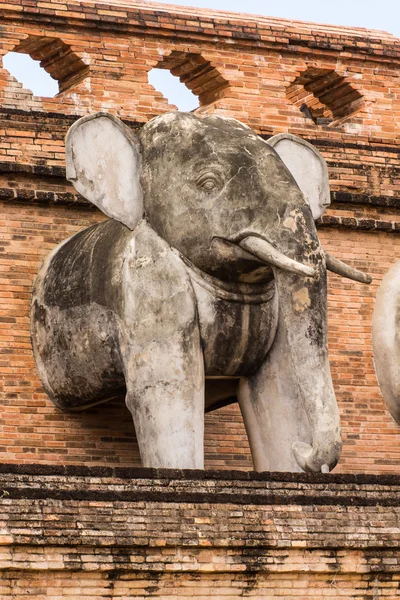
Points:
point(251, 247)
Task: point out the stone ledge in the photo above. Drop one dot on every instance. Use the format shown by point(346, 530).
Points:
point(339, 198)
point(173, 519)
point(102, 484)
point(194, 474)
point(358, 224)
point(197, 533)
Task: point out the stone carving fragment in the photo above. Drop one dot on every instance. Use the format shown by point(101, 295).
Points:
point(207, 284)
point(386, 339)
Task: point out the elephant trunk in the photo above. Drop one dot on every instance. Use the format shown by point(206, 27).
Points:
point(303, 317)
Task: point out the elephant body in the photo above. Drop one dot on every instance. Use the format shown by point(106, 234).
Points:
point(80, 323)
point(207, 284)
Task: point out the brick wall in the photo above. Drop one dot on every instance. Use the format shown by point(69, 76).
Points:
point(259, 70)
point(104, 533)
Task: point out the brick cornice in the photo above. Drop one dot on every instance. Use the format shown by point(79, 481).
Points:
point(34, 117)
point(45, 482)
point(214, 26)
point(375, 225)
point(25, 195)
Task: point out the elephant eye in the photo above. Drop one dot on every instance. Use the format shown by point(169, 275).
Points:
point(208, 182)
point(208, 185)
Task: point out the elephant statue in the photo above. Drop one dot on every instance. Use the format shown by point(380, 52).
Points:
point(207, 285)
point(386, 339)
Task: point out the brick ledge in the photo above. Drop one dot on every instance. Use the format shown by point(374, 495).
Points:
point(48, 470)
point(109, 484)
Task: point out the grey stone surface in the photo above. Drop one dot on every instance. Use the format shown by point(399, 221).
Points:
point(207, 284)
point(386, 339)
point(308, 169)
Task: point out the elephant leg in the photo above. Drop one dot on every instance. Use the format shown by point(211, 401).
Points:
point(165, 395)
point(273, 412)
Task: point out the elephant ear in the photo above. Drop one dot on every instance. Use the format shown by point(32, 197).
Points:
point(103, 164)
point(308, 168)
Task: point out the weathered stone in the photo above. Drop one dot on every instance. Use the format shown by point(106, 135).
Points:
point(302, 159)
point(385, 339)
point(210, 270)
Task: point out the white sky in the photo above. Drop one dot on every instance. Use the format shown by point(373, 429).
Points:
point(372, 14)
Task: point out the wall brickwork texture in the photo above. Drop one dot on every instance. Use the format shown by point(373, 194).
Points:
point(337, 87)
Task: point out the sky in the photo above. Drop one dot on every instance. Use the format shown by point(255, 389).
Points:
point(372, 14)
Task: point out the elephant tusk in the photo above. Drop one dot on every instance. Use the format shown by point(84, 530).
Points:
point(340, 268)
point(268, 254)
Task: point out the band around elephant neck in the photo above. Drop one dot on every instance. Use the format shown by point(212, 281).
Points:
point(246, 293)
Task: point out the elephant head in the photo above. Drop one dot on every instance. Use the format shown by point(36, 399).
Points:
point(241, 210)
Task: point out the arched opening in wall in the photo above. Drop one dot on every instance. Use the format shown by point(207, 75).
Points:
point(324, 96)
point(30, 74)
point(45, 65)
point(173, 90)
point(200, 78)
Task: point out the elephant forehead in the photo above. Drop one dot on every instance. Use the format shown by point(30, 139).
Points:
point(189, 122)
point(237, 164)
point(187, 136)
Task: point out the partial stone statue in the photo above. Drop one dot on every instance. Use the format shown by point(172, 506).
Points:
point(386, 339)
point(206, 286)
